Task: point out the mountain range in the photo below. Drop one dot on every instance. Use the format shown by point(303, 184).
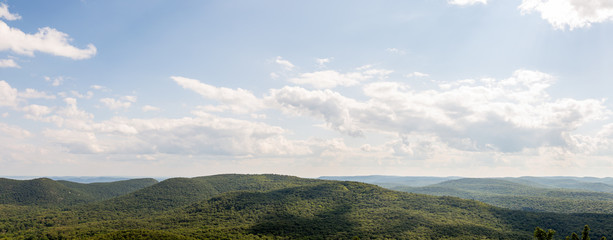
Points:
point(268, 206)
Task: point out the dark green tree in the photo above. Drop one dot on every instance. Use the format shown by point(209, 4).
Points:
point(540, 234)
point(585, 235)
point(574, 236)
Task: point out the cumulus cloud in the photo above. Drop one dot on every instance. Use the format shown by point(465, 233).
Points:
point(11, 97)
point(570, 13)
point(284, 63)
point(36, 112)
point(331, 106)
point(466, 2)
point(87, 95)
point(8, 95)
point(114, 104)
point(4, 13)
point(506, 115)
point(331, 79)
point(234, 100)
point(8, 63)
point(47, 40)
point(32, 93)
point(204, 134)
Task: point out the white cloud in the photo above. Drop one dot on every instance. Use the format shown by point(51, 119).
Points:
point(129, 98)
point(331, 106)
point(47, 40)
point(149, 108)
point(4, 13)
point(330, 79)
point(98, 87)
point(204, 134)
point(13, 132)
point(8, 63)
point(37, 112)
point(87, 95)
point(56, 81)
point(11, 97)
point(466, 2)
point(8, 95)
point(417, 74)
point(114, 104)
point(31, 93)
point(321, 62)
point(71, 116)
point(570, 13)
point(284, 63)
point(237, 101)
point(506, 115)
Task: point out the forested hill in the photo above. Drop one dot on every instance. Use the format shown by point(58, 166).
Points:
point(283, 207)
point(50, 193)
point(526, 193)
point(392, 181)
point(175, 192)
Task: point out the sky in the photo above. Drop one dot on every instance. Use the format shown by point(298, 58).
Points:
point(474, 88)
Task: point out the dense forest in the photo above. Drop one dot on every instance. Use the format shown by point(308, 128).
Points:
point(545, 194)
point(262, 207)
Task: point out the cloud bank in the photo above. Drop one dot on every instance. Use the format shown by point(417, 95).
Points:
point(47, 40)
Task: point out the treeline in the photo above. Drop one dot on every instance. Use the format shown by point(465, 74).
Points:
point(281, 207)
point(541, 234)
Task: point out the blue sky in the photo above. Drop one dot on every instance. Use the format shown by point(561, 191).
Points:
point(186, 88)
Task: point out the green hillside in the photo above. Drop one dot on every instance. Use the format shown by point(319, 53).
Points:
point(176, 192)
point(284, 207)
point(589, 184)
point(392, 181)
point(47, 192)
point(107, 190)
point(514, 195)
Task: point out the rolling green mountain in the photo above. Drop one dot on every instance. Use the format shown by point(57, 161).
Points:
point(514, 195)
point(175, 192)
point(589, 184)
point(391, 181)
point(47, 192)
point(283, 207)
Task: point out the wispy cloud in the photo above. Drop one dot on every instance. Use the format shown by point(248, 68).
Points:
point(47, 40)
point(4, 13)
point(466, 2)
point(234, 100)
point(149, 108)
point(55, 81)
point(331, 78)
point(569, 13)
point(417, 74)
point(114, 104)
point(8, 63)
point(284, 63)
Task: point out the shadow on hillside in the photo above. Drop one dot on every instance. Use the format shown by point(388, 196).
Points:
point(334, 223)
point(563, 224)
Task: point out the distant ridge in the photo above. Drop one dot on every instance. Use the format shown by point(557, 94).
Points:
point(48, 192)
point(83, 179)
point(392, 181)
